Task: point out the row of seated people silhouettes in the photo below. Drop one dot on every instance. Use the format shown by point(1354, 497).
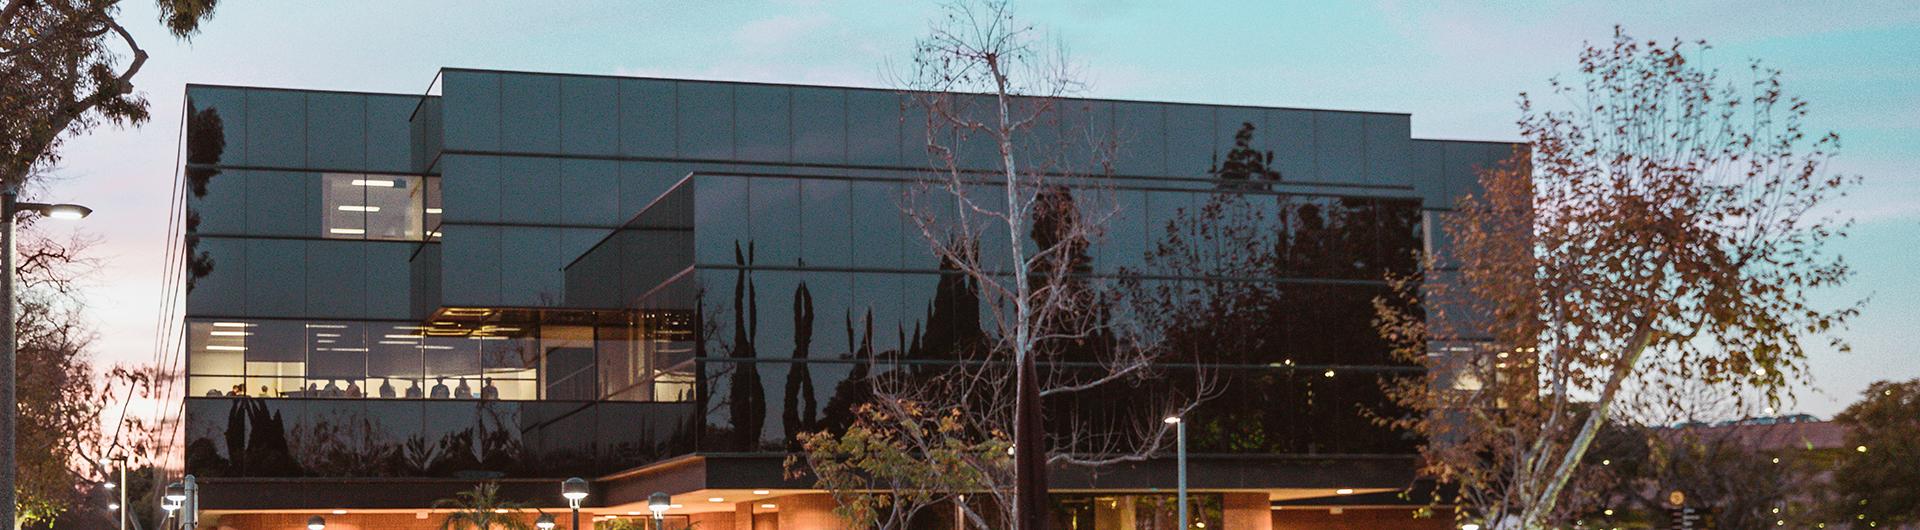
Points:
point(352, 390)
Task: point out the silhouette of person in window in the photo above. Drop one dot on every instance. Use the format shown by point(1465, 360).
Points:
point(487, 390)
point(353, 388)
point(440, 388)
point(264, 392)
point(213, 392)
point(313, 390)
point(332, 390)
point(238, 391)
point(413, 389)
point(463, 391)
point(386, 388)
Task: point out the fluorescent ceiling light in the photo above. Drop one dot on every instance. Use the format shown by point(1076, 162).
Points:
point(229, 333)
point(324, 341)
point(435, 211)
point(358, 208)
point(231, 324)
point(373, 183)
point(398, 343)
point(404, 337)
point(226, 348)
point(328, 335)
point(347, 231)
point(328, 326)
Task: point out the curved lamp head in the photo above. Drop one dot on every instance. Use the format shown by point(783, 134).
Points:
point(574, 489)
point(56, 211)
point(545, 522)
point(659, 503)
point(316, 523)
point(176, 493)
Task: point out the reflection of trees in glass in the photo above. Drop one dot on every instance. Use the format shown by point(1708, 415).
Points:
point(256, 444)
point(1246, 168)
point(1281, 281)
point(799, 413)
point(746, 401)
point(206, 142)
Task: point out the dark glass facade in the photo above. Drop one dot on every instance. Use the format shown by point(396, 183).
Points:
point(533, 275)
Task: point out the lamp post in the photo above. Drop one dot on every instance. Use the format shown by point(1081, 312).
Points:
point(176, 494)
point(316, 523)
point(121, 462)
point(575, 490)
point(10, 209)
point(545, 522)
point(190, 510)
point(1180, 434)
point(659, 503)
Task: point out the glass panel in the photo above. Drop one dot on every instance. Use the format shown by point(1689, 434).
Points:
point(826, 217)
point(389, 135)
point(470, 189)
point(336, 130)
point(775, 203)
point(388, 279)
point(471, 109)
point(763, 117)
point(1140, 130)
point(819, 125)
point(1289, 133)
point(1338, 146)
point(336, 279)
point(217, 276)
point(395, 212)
point(589, 115)
point(343, 204)
point(590, 193)
point(282, 203)
point(877, 221)
point(720, 219)
point(705, 118)
point(470, 270)
point(215, 348)
point(529, 273)
point(1190, 147)
point(646, 117)
point(873, 127)
point(276, 128)
point(567, 363)
point(1389, 141)
point(529, 113)
point(530, 190)
point(216, 127)
point(275, 277)
point(218, 204)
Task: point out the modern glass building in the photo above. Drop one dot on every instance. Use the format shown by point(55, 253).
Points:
point(656, 284)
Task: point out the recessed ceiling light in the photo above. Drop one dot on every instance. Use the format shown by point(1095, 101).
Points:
point(339, 512)
point(373, 183)
point(1344, 491)
point(358, 208)
point(633, 513)
point(347, 231)
point(716, 499)
point(761, 492)
point(769, 506)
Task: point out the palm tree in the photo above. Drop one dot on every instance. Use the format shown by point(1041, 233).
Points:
point(482, 509)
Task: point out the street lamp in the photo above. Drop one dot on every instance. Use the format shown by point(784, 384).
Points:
point(316, 523)
point(575, 490)
point(9, 403)
point(659, 503)
point(1180, 434)
point(545, 522)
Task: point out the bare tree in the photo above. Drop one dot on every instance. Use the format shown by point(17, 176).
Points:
point(1016, 194)
point(1666, 226)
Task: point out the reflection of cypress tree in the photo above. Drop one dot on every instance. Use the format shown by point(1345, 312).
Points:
point(265, 452)
point(953, 320)
point(206, 142)
point(799, 414)
point(1056, 224)
point(856, 388)
point(1246, 168)
point(747, 401)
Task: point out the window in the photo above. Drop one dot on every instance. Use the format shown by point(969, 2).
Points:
point(373, 206)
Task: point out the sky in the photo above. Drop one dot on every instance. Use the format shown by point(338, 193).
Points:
point(1458, 67)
